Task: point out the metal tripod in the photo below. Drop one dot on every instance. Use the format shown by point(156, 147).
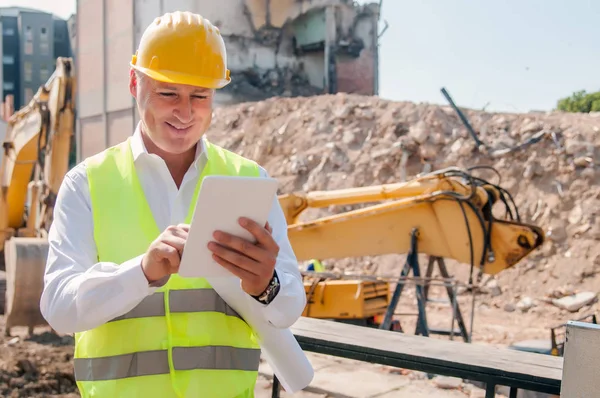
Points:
point(422, 292)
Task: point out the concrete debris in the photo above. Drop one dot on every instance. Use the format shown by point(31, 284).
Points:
point(477, 393)
point(256, 85)
point(561, 292)
point(575, 215)
point(575, 302)
point(446, 382)
point(525, 304)
point(583, 161)
point(492, 288)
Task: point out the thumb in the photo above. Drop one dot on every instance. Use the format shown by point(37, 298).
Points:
point(171, 256)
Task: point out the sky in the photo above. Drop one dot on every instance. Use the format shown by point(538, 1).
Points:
point(510, 55)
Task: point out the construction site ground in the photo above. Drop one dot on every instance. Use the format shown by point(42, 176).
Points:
point(341, 141)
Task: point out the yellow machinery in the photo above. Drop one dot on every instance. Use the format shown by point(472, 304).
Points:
point(446, 214)
point(36, 158)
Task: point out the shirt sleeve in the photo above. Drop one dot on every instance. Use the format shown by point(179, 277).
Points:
point(288, 305)
point(79, 292)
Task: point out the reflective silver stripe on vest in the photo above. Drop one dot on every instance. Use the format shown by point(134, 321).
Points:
point(186, 300)
point(148, 363)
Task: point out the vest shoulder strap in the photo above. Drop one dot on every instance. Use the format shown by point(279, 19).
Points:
point(108, 172)
point(223, 161)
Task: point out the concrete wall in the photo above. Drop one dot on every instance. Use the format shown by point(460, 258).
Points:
point(105, 43)
point(359, 74)
point(277, 13)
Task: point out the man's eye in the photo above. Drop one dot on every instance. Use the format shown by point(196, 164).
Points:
point(167, 94)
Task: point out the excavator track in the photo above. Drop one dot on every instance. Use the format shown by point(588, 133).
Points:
point(25, 263)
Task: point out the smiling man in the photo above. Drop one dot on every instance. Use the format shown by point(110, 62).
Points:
point(120, 224)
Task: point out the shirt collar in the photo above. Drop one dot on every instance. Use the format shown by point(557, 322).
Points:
point(139, 149)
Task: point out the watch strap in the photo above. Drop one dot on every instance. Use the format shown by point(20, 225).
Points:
point(270, 292)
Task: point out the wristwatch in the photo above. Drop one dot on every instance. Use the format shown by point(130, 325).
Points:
point(270, 292)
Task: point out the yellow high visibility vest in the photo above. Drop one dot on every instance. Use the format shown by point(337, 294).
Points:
point(181, 341)
point(318, 266)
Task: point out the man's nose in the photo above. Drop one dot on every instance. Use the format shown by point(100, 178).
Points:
point(184, 110)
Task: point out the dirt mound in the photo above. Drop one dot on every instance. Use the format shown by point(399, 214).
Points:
point(340, 141)
point(40, 366)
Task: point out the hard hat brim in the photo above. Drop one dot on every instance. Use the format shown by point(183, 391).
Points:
point(166, 76)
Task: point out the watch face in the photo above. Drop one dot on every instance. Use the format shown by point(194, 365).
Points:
point(271, 291)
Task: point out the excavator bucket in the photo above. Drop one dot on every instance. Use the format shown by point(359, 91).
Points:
point(25, 262)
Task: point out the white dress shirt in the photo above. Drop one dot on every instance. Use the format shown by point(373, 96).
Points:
point(81, 293)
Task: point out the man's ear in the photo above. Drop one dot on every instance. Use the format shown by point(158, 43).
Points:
point(133, 83)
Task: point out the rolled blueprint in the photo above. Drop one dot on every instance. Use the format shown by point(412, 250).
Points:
point(279, 346)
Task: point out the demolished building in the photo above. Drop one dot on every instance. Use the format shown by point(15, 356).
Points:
point(292, 47)
point(275, 48)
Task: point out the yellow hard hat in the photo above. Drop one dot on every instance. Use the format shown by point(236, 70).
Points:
point(184, 48)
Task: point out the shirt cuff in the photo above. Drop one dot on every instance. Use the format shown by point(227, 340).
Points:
point(287, 306)
point(133, 277)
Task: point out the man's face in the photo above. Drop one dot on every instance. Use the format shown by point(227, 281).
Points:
point(174, 116)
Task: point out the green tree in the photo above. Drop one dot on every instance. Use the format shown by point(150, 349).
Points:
point(580, 101)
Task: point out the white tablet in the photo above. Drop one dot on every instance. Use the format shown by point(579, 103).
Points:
point(222, 200)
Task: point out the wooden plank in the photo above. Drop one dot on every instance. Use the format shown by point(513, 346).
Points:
point(453, 358)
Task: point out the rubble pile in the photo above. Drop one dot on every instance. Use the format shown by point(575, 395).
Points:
point(38, 366)
point(340, 141)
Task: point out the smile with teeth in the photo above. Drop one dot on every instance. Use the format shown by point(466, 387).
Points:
point(179, 128)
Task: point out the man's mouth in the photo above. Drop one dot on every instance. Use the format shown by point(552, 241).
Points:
point(178, 128)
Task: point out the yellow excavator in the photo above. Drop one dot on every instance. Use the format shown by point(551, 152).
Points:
point(448, 213)
point(37, 150)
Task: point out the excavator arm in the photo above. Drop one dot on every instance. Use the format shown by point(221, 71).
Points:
point(36, 159)
point(451, 213)
point(451, 210)
point(36, 156)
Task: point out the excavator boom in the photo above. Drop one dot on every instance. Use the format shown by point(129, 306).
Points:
point(450, 213)
point(36, 155)
point(20, 156)
point(450, 209)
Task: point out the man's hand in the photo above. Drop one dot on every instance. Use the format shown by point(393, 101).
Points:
point(164, 254)
point(254, 264)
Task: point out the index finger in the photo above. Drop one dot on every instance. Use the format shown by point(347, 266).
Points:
point(261, 234)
